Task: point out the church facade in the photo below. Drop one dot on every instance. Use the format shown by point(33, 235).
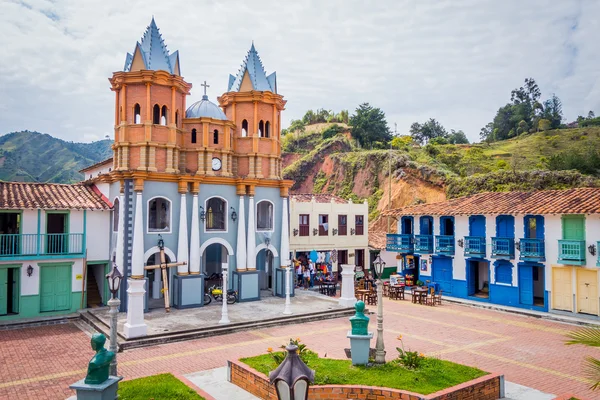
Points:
point(204, 179)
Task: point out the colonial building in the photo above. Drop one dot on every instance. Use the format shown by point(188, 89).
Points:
point(329, 224)
point(535, 250)
point(204, 178)
point(51, 237)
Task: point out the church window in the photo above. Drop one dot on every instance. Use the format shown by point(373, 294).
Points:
point(261, 129)
point(267, 129)
point(216, 137)
point(264, 216)
point(194, 138)
point(216, 214)
point(137, 118)
point(177, 118)
point(159, 215)
point(163, 116)
point(156, 114)
point(244, 128)
point(116, 215)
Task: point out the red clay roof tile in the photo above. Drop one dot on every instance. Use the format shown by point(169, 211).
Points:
point(51, 196)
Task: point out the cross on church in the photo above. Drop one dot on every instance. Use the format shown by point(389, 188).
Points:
point(163, 267)
point(205, 86)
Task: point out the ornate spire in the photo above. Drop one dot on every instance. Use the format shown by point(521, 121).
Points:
point(252, 65)
point(152, 53)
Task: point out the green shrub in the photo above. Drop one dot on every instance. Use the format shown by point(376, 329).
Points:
point(332, 130)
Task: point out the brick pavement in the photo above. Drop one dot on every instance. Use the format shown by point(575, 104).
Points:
point(40, 363)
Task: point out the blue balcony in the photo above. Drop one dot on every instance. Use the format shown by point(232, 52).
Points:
point(532, 250)
point(424, 244)
point(399, 243)
point(475, 246)
point(503, 248)
point(571, 252)
point(444, 245)
point(47, 245)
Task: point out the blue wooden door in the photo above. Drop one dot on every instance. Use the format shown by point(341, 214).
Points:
point(442, 273)
point(505, 226)
point(471, 283)
point(426, 226)
point(477, 225)
point(526, 284)
point(55, 288)
point(3, 291)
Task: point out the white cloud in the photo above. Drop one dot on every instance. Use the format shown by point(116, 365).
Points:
point(455, 61)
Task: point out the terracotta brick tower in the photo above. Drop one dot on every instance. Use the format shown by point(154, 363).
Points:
point(150, 102)
point(254, 106)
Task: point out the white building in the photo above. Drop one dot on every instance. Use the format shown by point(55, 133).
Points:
point(325, 223)
point(535, 250)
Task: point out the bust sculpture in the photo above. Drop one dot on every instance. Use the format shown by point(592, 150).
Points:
point(359, 322)
point(99, 364)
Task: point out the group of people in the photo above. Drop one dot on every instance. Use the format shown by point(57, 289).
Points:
point(308, 272)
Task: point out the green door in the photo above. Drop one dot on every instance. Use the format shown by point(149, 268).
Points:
point(3, 291)
point(55, 288)
point(573, 227)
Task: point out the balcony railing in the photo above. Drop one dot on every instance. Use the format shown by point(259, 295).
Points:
point(532, 249)
point(424, 243)
point(399, 243)
point(444, 244)
point(571, 252)
point(503, 248)
point(42, 245)
point(475, 246)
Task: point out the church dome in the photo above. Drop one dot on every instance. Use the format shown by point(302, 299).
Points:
point(205, 109)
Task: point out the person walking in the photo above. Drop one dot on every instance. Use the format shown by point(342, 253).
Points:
point(298, 273)
point(306, 277)
point(311, 268)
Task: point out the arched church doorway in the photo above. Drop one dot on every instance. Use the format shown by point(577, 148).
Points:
point(155, 286)
point(265, 264)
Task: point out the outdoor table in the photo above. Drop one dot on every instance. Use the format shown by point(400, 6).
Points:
point(395, 291)
point(330, 288)
point(361, 293)
point(421, 293)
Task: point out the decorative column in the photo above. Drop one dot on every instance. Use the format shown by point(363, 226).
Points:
point(241, 237)
point(347, 298)
point(224, 311)
point(195, 238)
point(135, 325)
point(251, 253)
point(284, 250)
point(120, 250)
point(182, 240)
point(156, 285)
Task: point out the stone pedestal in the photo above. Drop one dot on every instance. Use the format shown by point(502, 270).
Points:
point(188, 291)
point(246, 284)
point(103, 391)
point(135, 325)
point(347, 298)
point(359, 347)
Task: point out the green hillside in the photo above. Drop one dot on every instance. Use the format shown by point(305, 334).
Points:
point(36, 157)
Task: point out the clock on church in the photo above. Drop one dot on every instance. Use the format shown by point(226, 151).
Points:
point(216, 164)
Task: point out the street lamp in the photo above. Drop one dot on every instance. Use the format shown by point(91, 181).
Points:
point(288, 304)
point(113, 279)
point(379, 265)
point(224, 311)
point(292, 377)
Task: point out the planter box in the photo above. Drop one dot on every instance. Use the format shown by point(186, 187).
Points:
point(488, 387)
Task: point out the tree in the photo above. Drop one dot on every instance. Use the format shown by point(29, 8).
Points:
point(544, 125)
point(369, 125)
point(591, 115)
point(485, 134)
point(401, 142)
point(588, 337)
point(457, 137)
point(553, 111)
point(423, 133)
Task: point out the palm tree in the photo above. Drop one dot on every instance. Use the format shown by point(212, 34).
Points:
point(588, 337)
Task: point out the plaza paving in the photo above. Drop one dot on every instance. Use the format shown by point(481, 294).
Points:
point(40, 363)
point(159, 321)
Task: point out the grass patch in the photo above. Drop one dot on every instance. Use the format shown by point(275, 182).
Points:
point(434, 375)
point(163, 386)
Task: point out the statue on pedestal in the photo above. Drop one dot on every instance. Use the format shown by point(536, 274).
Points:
point(99, 365)
point(359, 322)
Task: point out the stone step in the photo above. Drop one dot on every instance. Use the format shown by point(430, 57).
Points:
point(153, 340)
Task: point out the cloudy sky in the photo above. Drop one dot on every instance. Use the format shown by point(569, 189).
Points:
point(456, 61)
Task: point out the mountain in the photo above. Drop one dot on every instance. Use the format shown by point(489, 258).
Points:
point(320, 163)
point(38, 157)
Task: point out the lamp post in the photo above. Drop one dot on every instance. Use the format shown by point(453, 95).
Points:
point(113, 279)
point(292, 377)
point(288, 304)
point(379, 265)
point(224, 311)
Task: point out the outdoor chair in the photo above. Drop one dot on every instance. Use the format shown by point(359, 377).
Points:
point(371, 298)
point(437, 298)
point(430, 297)
point(400, 292)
